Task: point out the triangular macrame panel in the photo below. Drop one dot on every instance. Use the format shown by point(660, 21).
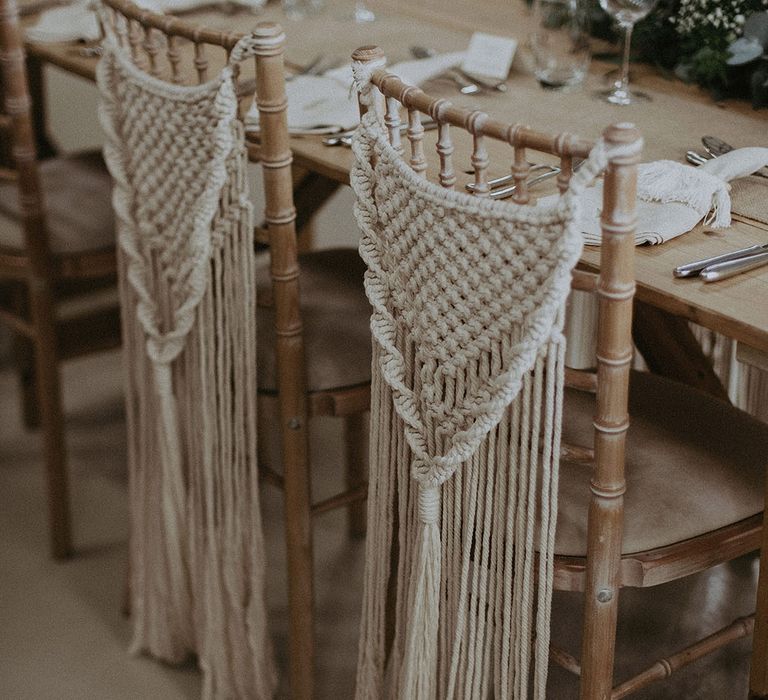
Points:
point(468, 299)
point(187, 285)
point(465, 278)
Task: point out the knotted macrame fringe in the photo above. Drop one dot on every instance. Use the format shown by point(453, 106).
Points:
point(468, 297)
point(187, 287)
point(492, 626)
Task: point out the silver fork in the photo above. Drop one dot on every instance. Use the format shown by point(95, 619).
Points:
point(504, 192)
point(504, 179)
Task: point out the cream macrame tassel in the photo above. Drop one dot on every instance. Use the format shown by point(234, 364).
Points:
point(420, 675)
point(173, 490)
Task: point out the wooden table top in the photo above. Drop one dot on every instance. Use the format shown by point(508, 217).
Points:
point(671, 124)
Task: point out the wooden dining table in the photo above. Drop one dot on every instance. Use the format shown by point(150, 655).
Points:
point(672, 123)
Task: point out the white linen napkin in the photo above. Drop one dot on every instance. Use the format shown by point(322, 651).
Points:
point(69, 23)
point(673, 198)
point(323, 104)
point(77, 22)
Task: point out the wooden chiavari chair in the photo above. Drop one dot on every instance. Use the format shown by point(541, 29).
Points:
point(56, 247)
point(313, 353)
point(658, 481)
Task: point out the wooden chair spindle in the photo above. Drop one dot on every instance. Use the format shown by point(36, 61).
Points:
point(479, 158)
point(152, 49)
point(564, 176)
point(416, 138)
point(444, 144)
point(201, 62)
point(521, 169)
point(174, 60)
point(392, 122)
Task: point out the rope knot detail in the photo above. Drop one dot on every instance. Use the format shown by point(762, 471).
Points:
point(429, 504)
point(361, 77)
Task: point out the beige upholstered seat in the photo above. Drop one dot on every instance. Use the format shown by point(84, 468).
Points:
point(683, 448)
point(336, 319)
point(76, 193)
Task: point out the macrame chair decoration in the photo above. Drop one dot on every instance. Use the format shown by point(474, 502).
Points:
point(449, 603)
point(312, 316)
point(188, 285)
point(468, 297)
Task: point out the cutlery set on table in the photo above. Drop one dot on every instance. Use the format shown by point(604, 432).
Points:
point(727, 265)
point(714, 147)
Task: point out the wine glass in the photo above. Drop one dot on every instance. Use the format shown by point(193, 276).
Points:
point(560, 42)
point(626, 13)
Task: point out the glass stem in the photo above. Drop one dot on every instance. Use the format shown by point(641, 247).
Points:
point(623, 83)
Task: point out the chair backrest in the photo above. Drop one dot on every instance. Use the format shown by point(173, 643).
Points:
point(474, 606)
point(174, 137)
point(17, 121)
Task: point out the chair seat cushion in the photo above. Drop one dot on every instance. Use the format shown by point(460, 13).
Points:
point(77, 196)
point(694, 464)
point(335, 316)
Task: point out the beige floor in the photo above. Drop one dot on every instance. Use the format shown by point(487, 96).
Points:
point(62, 635)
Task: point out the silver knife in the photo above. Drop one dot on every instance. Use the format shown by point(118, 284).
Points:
point(723, 270)
point(694, 268)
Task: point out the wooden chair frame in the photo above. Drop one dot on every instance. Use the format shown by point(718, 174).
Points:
point(604, 570)
point(34, 281)
point(138, 33)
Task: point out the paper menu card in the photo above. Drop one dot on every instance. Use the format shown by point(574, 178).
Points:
point(489, 56)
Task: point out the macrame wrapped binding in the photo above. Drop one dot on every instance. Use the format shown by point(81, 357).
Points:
point(468, 297)
point(187, 285)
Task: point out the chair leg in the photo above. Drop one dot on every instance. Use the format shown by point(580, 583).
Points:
point(298, 528)
point(356, 469)
point(49, 401)
point(601, 598)
point(758, 672)
point(24, 359)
